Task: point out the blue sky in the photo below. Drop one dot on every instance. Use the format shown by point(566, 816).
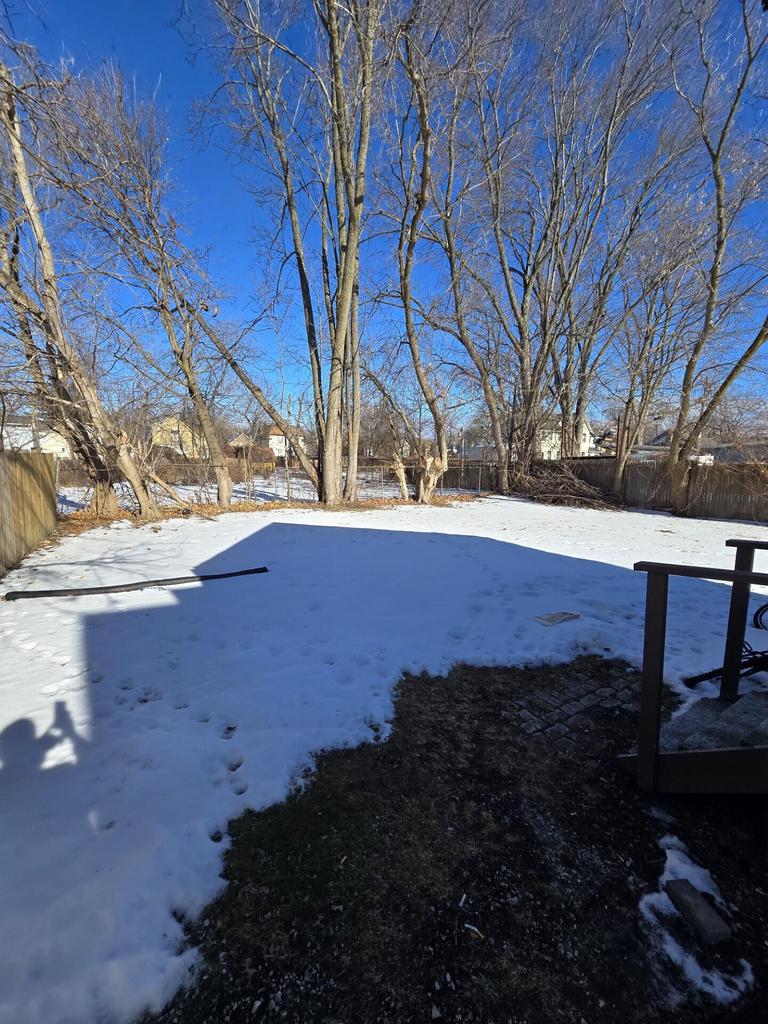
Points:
point(145, 39)
point(142, 37)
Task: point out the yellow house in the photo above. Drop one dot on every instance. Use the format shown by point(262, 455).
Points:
point(175, 434)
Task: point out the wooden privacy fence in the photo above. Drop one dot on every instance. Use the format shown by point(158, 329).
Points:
point(730, 490)
point(27, 504)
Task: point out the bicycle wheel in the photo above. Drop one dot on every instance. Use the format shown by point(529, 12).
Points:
point(760, 618)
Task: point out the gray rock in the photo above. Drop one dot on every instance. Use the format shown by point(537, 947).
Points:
point(700, 915)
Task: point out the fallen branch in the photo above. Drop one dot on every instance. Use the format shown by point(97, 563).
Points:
point(166, 487)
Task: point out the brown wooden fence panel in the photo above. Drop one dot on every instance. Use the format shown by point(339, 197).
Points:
point(596, 471)
point(722, 491)
point(730, 491)
point(27, 504)
point(646, 485)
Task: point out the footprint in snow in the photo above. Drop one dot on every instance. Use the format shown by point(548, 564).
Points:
point(228, 732)
point(150, 694)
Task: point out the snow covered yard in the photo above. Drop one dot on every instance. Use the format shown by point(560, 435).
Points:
point(133, 727)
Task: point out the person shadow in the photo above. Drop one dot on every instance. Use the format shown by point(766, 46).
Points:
point(23, 752)
point(48, 815)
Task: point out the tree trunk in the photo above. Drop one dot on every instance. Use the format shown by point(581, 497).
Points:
point(128, 468)
point(333, 462)
point(402, 480)
point(215, 452)
point(104, 500)
point(63, 413)
point(619, 470)
point(429, 475)
point(353, 403)
point(568, 424)
point(678, 471)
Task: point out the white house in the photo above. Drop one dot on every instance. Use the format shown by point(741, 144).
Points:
point(279, 443)
point(549, 440)
point(26, 434)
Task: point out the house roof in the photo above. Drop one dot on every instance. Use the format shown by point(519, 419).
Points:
point(171, 419)
point(277, 432)
point(28, 421)
point(664, 438)
point(241, 441)
point(13, 430)
point(553, 423)
point(759, 445)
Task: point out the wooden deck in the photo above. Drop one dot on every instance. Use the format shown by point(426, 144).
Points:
point(742, 769)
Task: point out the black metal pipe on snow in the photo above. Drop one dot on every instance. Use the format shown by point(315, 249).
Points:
point(121, 588)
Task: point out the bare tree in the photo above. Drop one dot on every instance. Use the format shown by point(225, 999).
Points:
point(720, 60)
point(116, 148)
point(309, 116)
point(657, 317)
point(35, 293)
point(407, 191)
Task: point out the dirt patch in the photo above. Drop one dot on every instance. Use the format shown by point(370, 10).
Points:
point(485, 863)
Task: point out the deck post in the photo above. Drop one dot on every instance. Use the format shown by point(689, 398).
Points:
point(737, 623)
point(657, 589)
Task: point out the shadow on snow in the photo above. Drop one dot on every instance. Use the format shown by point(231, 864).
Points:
point(208, 699)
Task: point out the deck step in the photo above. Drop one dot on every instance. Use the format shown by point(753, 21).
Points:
point(711, 723)
point(726, 770)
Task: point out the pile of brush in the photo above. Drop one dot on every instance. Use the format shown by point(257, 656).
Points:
point(558, 485)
